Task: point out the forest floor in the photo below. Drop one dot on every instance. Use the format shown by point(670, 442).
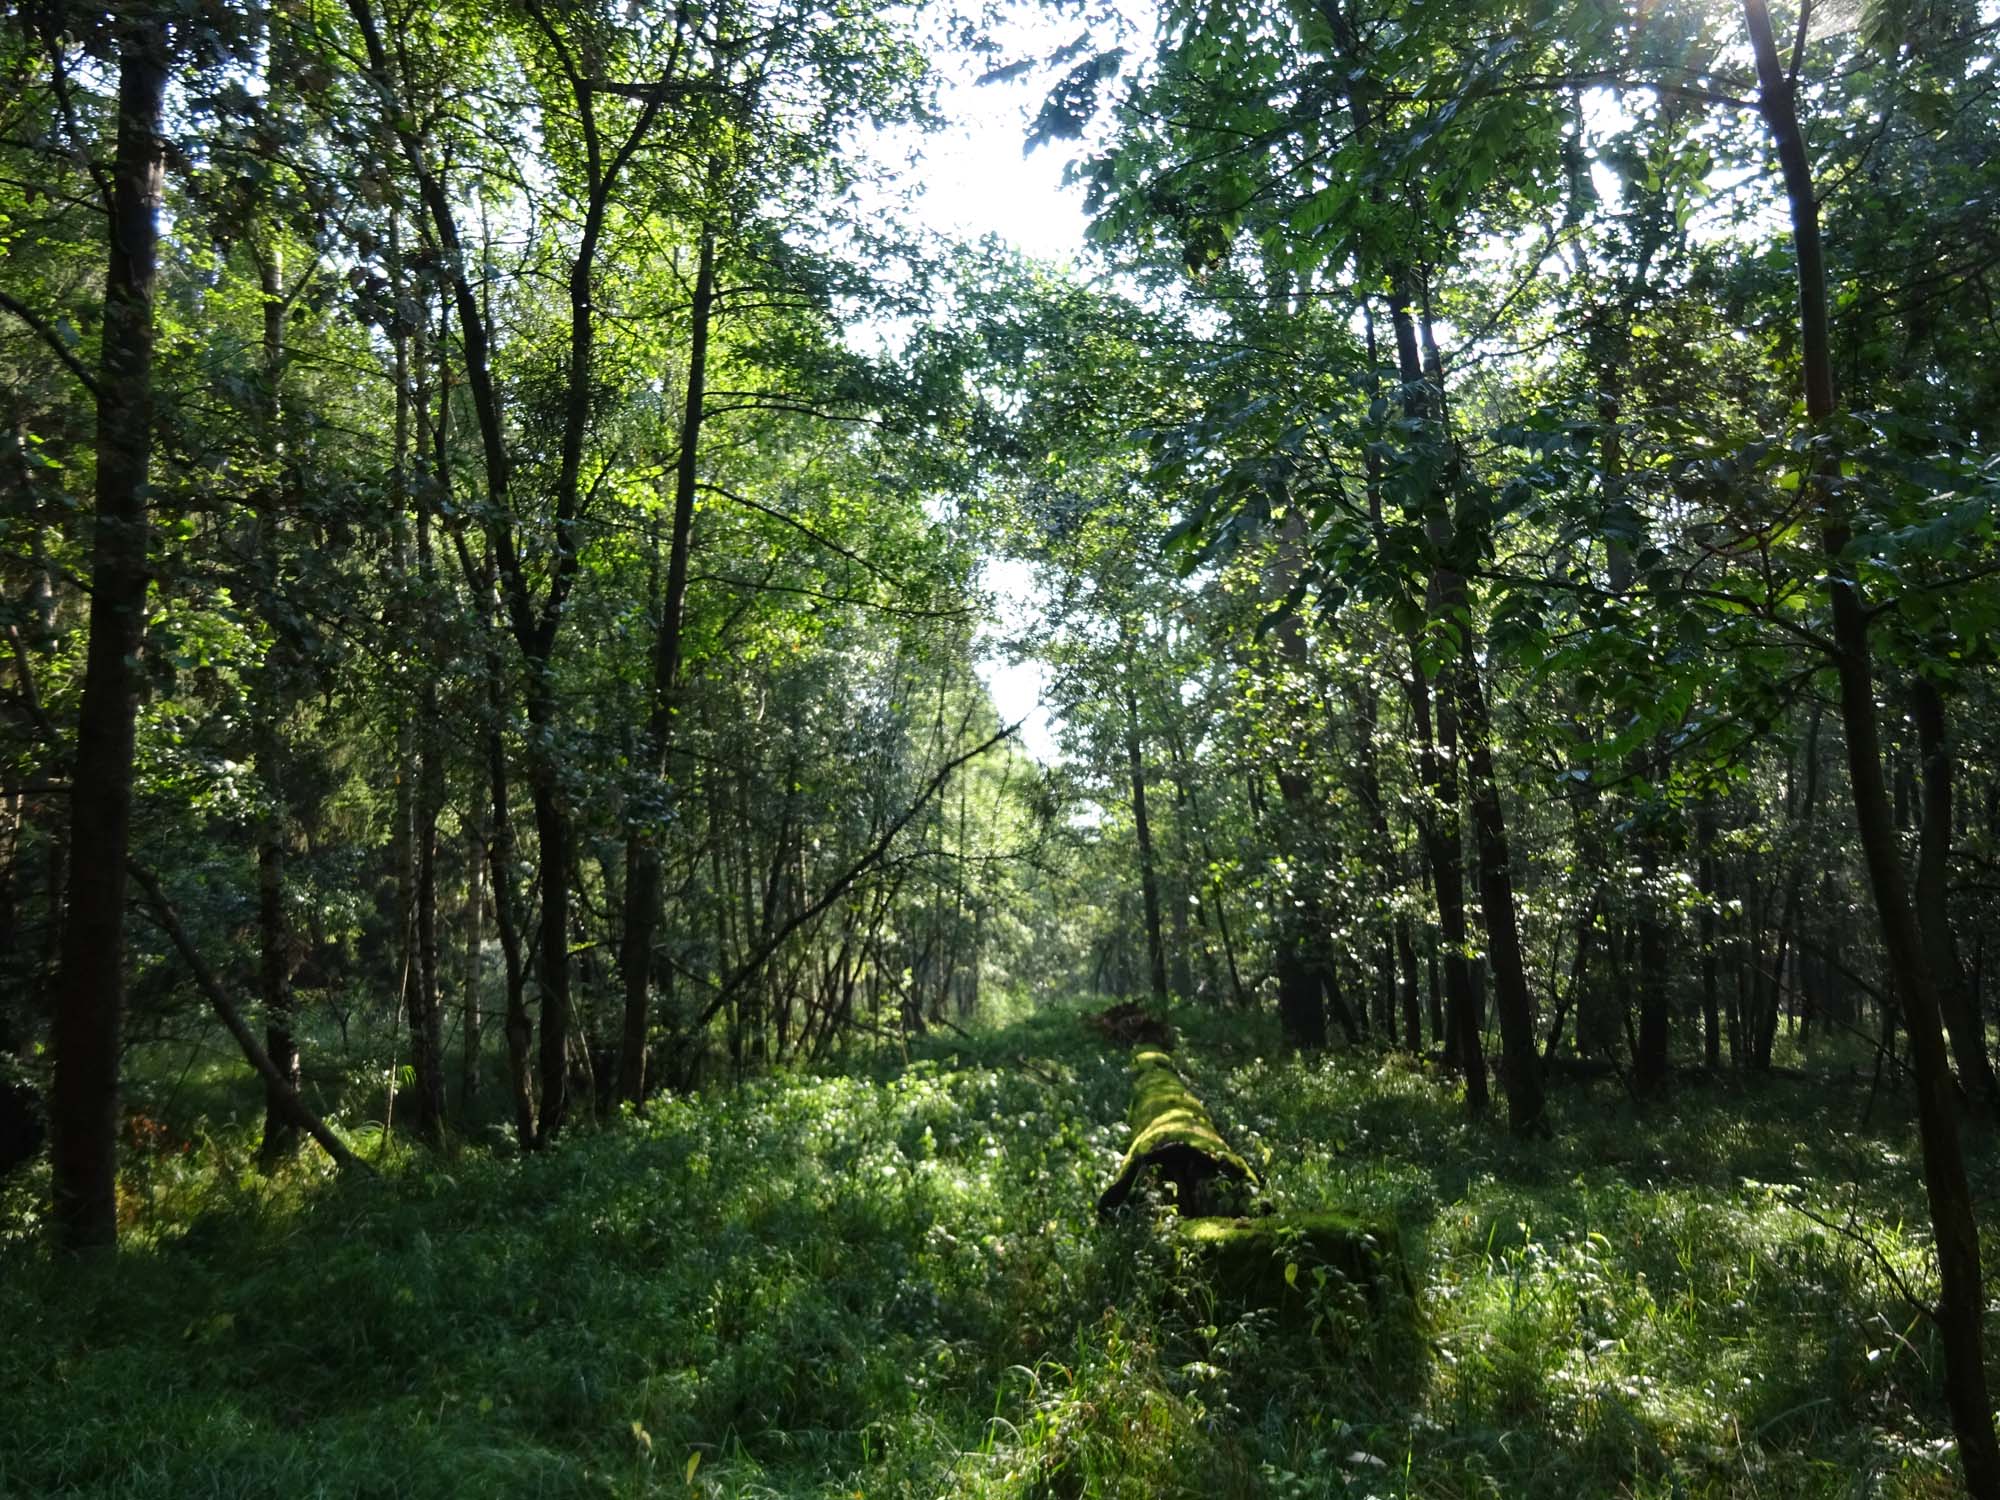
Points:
point(890, 1281)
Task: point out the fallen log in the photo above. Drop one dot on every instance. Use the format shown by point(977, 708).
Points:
point(1338, 1275)
point(1172, 1132)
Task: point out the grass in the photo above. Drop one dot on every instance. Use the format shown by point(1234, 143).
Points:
point(890, 1282)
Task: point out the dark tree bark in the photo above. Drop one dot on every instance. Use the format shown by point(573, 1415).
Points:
point(1307, 982)
point(1706, 884)
point(1650, 1066)
point(1933, 896)
point(1406, 962)
point(90, 984)
point(1437, 749)
point(1438, 831)
point(420, 751)
point(1521, 1063)
point(1447, 532)
point(555, 860)
point(1960, 1313)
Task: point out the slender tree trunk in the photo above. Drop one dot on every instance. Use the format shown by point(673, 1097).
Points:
point(470, 1029)
point(1521, 1063)
point(1437, 830)
point(1961, 1304)
point(402, 833)
point(520, 1030)
point(90, 984)
point(1400, 954)
point(271, 699)
point(642, 850)
point(427, 1002)
point(1650, 1070)
point(1217, 895)
point(555, 861)
point(1406, 962)
point(1438, 826)
point(420, 786)
point(1933, 897)
point(274, 962)
point(1437, 752)
point(1149, 881)
point(1705, 881)
point(302, 1117)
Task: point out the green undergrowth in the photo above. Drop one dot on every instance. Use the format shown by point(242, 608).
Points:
point(892, 1282)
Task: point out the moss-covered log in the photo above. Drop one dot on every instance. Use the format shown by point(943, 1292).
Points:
point(1172, 1131)
point(1283, 1259)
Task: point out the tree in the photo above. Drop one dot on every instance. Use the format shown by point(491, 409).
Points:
point(90, 985)
point(1961, 1309)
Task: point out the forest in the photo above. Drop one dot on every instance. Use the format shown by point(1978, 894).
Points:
point(671, 826)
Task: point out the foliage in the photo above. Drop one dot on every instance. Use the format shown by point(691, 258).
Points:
point(890, 1280)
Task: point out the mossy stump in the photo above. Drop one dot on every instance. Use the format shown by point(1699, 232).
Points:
point(1331, 1274)
point(1172, 1132)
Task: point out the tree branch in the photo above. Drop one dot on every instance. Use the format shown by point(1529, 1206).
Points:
point(57, 347)
point(290, 1105)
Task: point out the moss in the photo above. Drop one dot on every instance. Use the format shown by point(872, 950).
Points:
point(1327, 1266)
point(1171, 1130)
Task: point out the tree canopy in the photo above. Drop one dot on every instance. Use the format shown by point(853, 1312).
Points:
point(512, 528)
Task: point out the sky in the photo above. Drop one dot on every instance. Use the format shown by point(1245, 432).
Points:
point(976, 181)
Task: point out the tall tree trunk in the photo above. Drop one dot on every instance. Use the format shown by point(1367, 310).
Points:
point(1705, 882)
point(1933, 896)
point(1149, 880)
point(1437, 830)
point(1961, 1305)
point(1438, 825)
point(470, 1030)
point(402, 832)
point(1308, 982)
point(274, 960)
point(555, 861)
point(271, 699)
point(1520, 1061)
point(642, 849)
point(520, 1031)
point(1521, 1064)
point(90, 984)
point(1216, 893)
point(427, 1062)
point(1650, 1067)
point(1437, 750)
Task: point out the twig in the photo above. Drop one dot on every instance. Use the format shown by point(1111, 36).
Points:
point(1849, 1231)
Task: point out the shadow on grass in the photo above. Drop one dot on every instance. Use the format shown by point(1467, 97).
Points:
point(891, 1281)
